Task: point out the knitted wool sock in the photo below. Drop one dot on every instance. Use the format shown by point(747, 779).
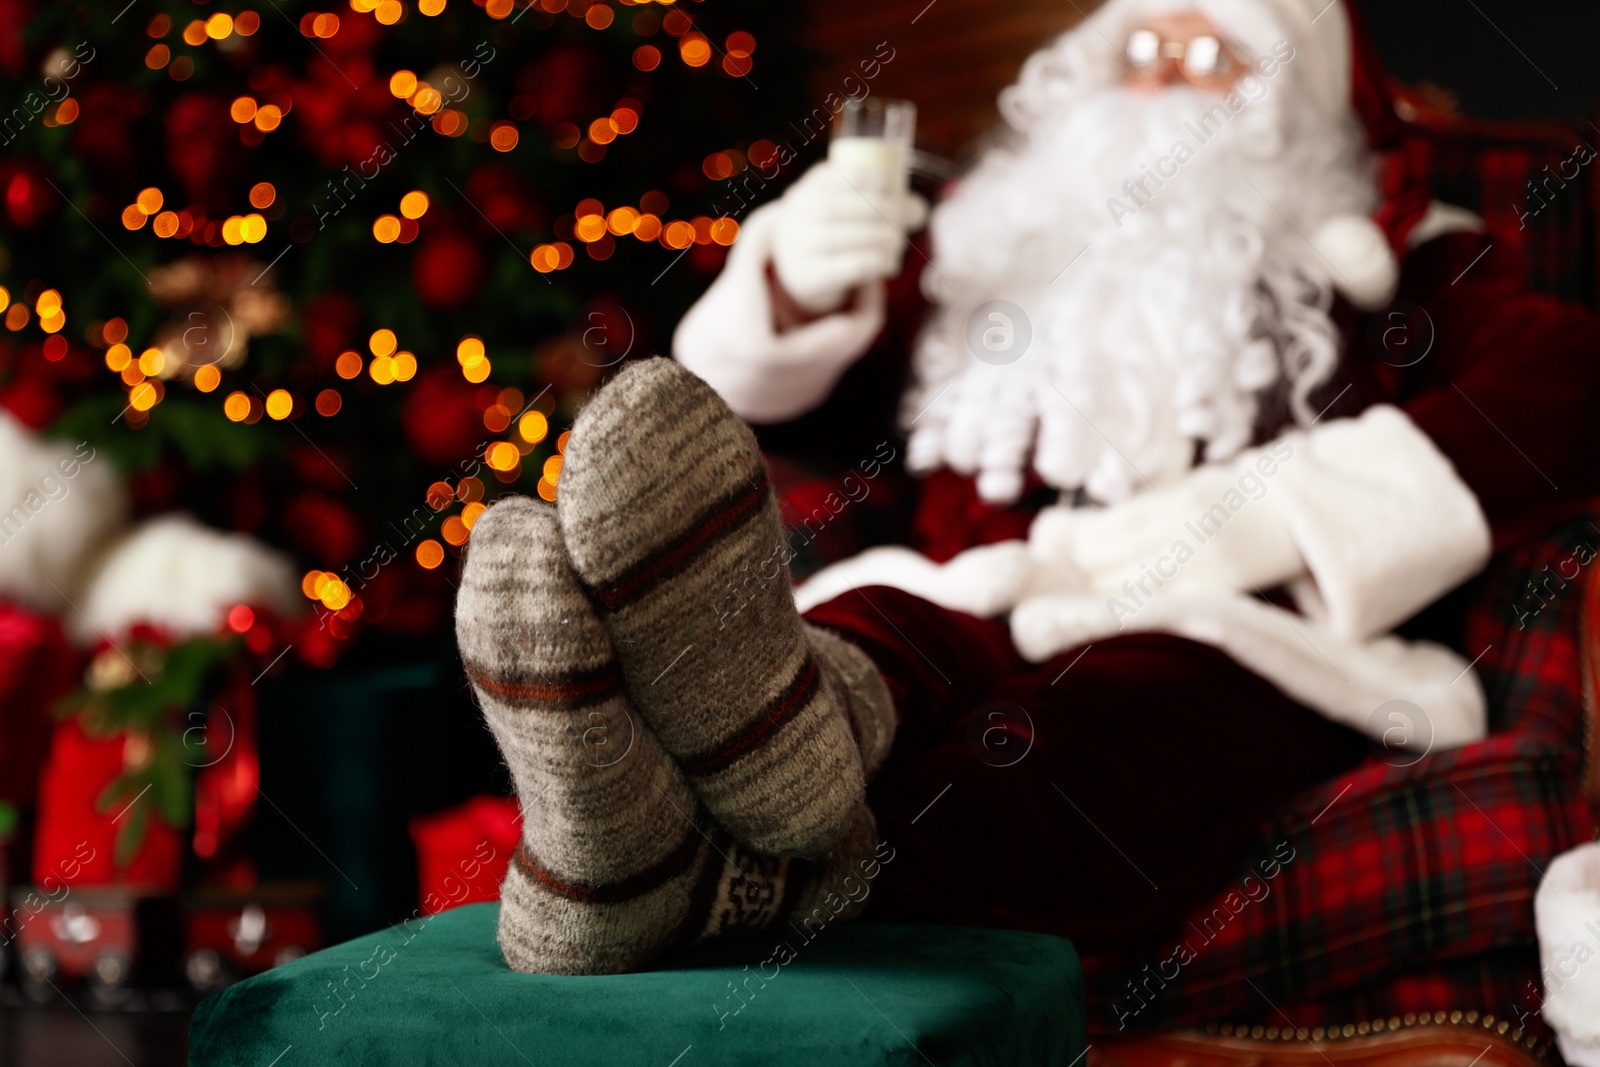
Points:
point(618, 861)
point(673, 528)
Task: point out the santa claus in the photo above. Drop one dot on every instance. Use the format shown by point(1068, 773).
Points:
point(1206, 398)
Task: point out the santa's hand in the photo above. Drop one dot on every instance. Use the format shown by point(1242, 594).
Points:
point(1211, 530)
point(831, 238)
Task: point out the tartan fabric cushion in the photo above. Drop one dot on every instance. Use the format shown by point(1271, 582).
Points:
point(1409, 886)
point(1401, 888)
point(1536, 191)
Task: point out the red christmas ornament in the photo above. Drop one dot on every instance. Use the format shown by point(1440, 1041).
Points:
point(320, 467)
point(568, 84)
point(32, 398)
point(103, 135)
point(343, 109)
point(328, 324)
point(202, 147)
point(324, 528)
point(447, 270)
point(442, 420)
point(28, 196)
point(503, 196)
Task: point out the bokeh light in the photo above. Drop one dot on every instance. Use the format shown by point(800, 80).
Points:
point(279, 404)
point(430, 554)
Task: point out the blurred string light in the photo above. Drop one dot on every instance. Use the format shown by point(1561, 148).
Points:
point(219, 28)
point(191, 222)
point(430, 554)
point(426, 100)
point(388, 365)
point(474, 360)
point(328, 589)
point(319, 24)
point(404, 228)
point(17, 315)
point(143, 373)
point(550, 472)
point(257, 118)
point(329, 402)
point(52, 314)
point(455, 530)
point(594, 227)
point(591, 225)
point(591, 141)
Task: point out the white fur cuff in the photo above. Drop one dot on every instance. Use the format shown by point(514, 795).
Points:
point(1383, 521)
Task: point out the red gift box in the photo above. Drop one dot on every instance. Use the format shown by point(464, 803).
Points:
point(463, 852)
point(77, 770)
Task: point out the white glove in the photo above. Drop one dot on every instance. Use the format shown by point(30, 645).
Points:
point(832, 237)
point(1211, 530)
point(1566, 912)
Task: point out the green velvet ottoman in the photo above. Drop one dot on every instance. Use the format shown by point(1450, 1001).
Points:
point(435, 991)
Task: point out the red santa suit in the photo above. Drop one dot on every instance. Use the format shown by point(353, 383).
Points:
point(1069, 766)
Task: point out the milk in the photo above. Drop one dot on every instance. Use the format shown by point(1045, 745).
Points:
point(878, 167)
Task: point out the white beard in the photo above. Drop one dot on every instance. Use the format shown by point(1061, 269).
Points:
point(1151, 338)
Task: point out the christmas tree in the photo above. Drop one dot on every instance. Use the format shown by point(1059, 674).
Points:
point(337, 276)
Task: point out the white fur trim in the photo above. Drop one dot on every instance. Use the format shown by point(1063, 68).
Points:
point(1385, 527)
point(1383, 521)
point(1441, 219)
point(730, 337)
point(173, 572)
point(1348, 681)
point(58, 504)
point(1567, 913)
point(1364, 266)
point(983, 581)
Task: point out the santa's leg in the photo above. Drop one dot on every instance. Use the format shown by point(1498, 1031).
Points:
point(1100, 795)
point(673, 528)
point(618, 861)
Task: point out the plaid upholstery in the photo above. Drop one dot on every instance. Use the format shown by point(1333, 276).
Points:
point(1488, 168)
point(1411, 887)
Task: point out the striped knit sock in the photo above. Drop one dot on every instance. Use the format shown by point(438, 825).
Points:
point(674, 530)
point(618, 861)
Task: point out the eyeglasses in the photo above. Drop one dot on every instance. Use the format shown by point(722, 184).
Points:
point(1200, 59)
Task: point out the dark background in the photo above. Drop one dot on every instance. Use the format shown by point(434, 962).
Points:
point(960, 53)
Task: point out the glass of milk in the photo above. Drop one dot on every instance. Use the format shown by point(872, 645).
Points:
point(871, 144)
